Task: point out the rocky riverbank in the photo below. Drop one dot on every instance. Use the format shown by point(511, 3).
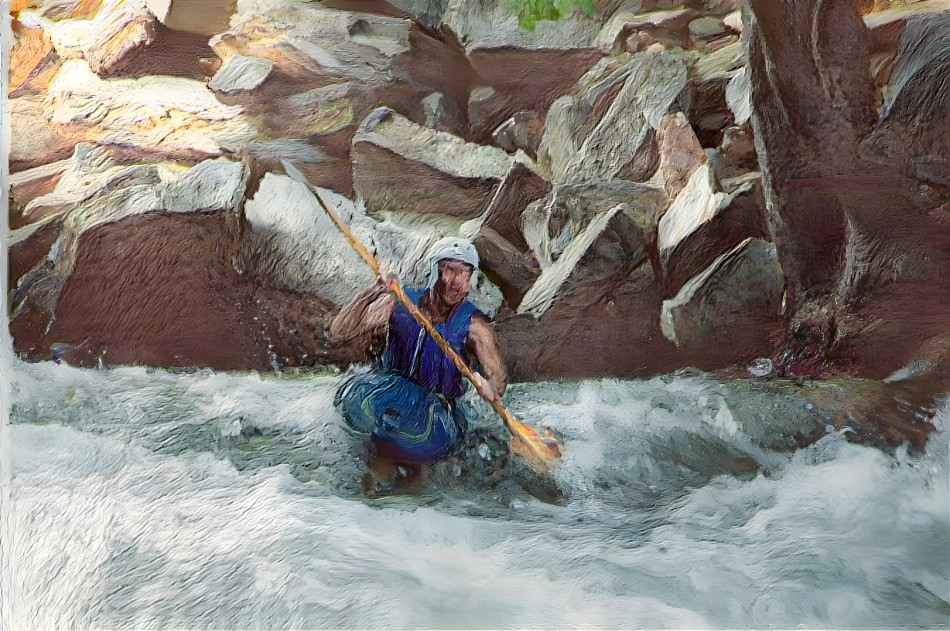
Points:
point(651, 187)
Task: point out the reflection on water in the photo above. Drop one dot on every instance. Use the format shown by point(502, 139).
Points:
point(209, 500)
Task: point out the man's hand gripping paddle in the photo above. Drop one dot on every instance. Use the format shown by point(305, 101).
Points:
point(538, 451)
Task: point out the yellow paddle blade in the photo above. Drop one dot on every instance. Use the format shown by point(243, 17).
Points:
point(539, 451)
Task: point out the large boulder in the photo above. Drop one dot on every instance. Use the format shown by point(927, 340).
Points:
point(594, 134)
point(205, 17)
point(180, 117)
point(913, 130)
point(731, 308)
point(841, 209)
point(581, 233)
point(404, 167)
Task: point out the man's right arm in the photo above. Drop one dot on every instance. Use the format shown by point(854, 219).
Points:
point(364, 317)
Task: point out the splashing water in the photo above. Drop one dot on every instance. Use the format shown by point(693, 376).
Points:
point(142, 498)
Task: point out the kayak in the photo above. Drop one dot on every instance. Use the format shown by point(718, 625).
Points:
point(413, 424)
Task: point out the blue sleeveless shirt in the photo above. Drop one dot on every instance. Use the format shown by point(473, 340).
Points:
point(413, 353)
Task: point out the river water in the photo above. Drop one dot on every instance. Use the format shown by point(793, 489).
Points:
point(192, 500)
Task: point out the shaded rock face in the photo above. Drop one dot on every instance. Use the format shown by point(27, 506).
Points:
point(739, 291)
point(160, 290)
point(861, 275)
point(400, 166)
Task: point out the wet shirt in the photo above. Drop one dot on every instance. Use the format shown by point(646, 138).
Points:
point(413, 353)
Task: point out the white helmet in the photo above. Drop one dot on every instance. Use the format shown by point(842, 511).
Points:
point(450, 248)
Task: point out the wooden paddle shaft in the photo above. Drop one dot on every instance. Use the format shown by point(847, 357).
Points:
point(523, 432)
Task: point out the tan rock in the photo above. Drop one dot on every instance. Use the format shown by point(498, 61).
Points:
point(206, 17)
point(404, 167)
point(32, 50)
point(679, 151)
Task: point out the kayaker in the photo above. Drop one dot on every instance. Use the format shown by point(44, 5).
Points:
point(415, 404)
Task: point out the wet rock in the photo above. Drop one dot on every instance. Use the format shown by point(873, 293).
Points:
point(96, 191)
point(401, 166)
point(241, 73)
point(603, 328)
point(159, 289)
point(680, 153)
point(740, 291)
point(205, 17)
point(595, 135)
point(791, 61)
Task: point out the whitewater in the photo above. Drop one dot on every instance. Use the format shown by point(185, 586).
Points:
point(141, 498)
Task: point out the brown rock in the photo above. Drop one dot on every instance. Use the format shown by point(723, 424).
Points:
point(743, 217)
point(401, 166)
point(679, 151)
point(160, 290)
point(520, 187)
point(730, 309)
point(506, 266)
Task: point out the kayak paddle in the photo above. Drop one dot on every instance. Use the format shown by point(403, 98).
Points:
point(537, 450)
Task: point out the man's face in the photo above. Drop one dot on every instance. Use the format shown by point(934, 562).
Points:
point(454, 279)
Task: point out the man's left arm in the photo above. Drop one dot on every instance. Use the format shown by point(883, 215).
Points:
point(482, 336)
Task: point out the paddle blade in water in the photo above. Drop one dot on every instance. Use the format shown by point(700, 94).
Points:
point(527, 443)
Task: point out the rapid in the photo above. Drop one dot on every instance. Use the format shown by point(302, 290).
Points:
point(140, 498)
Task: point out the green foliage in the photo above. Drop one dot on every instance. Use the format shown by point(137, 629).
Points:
point(530, 12)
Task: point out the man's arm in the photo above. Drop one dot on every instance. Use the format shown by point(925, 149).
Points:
point(482, 336)
point(364, 317)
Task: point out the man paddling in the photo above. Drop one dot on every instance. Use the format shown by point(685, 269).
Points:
point(415, 405)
